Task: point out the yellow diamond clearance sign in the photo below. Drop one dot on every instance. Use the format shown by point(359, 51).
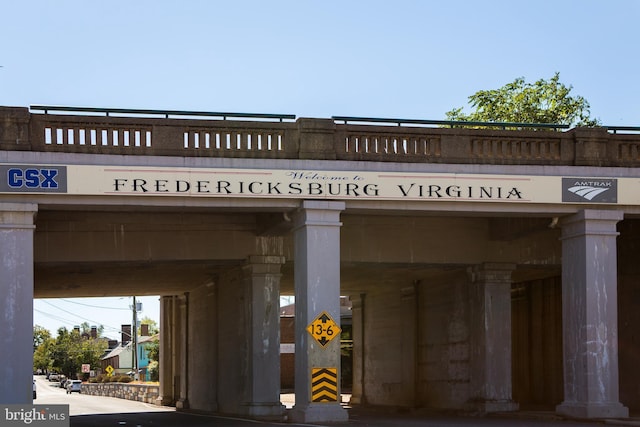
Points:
point(323, 329)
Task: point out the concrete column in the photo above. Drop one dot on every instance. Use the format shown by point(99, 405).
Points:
point(357, 319)
point(183, 343)
point(317, 290)
point(262, 391)
point(490, 337)
point(165, 362)
point(16, 302)
point(590, 315)
point(176, 349)
point(409, 331)
point(202, 358)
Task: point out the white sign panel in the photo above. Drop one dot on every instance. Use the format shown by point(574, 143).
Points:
point(316, 184)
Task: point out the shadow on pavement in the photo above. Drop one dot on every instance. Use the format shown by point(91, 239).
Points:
point(161, 419)
point(365, 417)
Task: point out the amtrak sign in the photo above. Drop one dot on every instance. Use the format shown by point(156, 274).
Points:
point(593, 190)
point(315, 184)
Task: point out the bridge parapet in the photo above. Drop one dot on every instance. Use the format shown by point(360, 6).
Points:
point(310, 138)
point(165, 137)
point(440, 145)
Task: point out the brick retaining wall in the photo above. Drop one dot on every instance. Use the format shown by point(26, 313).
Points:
point(139, 392)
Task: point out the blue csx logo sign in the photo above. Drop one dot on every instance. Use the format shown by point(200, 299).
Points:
point(32, 178)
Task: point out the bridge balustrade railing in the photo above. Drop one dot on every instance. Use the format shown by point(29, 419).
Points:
point(578, 146)
point(152, 136)
point(626, 150)
point(440, 145)
point(309, 138)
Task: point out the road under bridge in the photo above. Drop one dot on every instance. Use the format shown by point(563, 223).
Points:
point(488, 269)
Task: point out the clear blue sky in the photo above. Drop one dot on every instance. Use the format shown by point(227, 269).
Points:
point(400, 59)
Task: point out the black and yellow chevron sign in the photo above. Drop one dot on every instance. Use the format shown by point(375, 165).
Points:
point(324, 385)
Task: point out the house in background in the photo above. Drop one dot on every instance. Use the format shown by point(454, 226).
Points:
point(143, 355)
point(115, 358)
point(120, 358)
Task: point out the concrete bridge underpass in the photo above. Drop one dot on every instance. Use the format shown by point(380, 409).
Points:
point(488, 270)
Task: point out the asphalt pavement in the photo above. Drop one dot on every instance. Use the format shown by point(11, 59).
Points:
point(91, 411)
point(358, 417)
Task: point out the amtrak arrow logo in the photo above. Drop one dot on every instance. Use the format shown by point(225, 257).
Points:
point(586, 191)
point(590, 190)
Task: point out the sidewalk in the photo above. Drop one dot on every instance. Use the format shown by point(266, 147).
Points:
point(390, 417)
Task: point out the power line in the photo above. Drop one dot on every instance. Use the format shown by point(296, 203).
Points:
point(94, 306)
point(69, 312)
point(54, 317)
point(74, 322)
point(83, 318)
point(67, 321)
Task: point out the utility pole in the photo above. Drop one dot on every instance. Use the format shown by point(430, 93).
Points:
point(134, 341)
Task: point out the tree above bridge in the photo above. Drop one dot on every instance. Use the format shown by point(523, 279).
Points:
point(544, 101)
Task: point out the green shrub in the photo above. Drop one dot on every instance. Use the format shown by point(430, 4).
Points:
point(111, 379)
point(154, 371)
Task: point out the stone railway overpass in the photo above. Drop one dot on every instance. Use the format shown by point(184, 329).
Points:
point(488, 269)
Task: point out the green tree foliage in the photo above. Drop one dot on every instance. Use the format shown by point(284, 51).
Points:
point(40, 336)
point(73, 348)
point(545, 101)
point(42, 348)
point(153, 350)
point(62, 351)
point(154, 370)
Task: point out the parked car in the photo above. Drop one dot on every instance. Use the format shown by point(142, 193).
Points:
point(74, 385)
point(34, 389)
